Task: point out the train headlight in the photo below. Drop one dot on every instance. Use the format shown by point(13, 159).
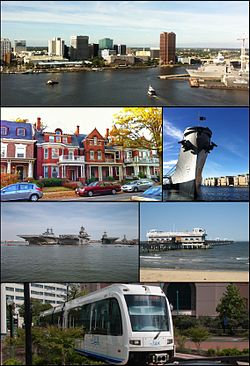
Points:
point(135, 342)
point(169, 341)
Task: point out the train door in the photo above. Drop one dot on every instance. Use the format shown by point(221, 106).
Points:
point(116, 344)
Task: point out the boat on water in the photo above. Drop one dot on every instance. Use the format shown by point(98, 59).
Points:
point(186, 176)
point(52, 82)
point(46, 238)
point(83, 236)
point(105, 239)
point(68, 239)
point(151, 91)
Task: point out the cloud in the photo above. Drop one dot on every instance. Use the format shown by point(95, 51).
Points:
point(172, 131)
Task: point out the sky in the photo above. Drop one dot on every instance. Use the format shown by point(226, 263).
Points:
point(65, 118)
point(67, 218)
point(220, 220)
point(230, 133)
point(134, 23)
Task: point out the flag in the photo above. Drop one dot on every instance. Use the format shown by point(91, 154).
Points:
point(202, 118)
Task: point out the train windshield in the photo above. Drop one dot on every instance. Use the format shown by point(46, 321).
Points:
point(147, 313)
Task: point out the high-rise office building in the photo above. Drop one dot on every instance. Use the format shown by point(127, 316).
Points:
point(167, 48)
point(19, 46)
point(5, 48)
point(121, 49)
point(93, 50)
point(56, 47)
point(79, 48)
point(106, 43)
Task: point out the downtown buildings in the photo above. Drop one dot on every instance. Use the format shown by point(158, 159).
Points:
point(167, 48)
point(37, 153)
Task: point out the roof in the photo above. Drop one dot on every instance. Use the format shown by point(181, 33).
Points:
point(12, 130)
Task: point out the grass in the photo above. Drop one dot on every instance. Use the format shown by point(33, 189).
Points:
point(56, 189)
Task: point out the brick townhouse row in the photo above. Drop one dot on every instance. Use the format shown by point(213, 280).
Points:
point(32, 152)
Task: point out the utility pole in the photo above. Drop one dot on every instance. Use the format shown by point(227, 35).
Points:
point(28, 323)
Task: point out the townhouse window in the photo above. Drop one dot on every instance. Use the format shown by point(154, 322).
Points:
point(117, 155)
point(129, 154)
point(21, 131)
point(4, 130)
point(45, 153)
point(95, 140)
point(20, 151)
point(54, 171)
point(92, 155)
point(65, 140)
point(55, 153)
point(58, 139)
point(51, 138)
point(46, 172)
point(99, 155)
point(3, 150)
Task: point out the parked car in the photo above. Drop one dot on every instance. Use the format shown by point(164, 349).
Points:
point(21, 191)
point(138, 185)
point(151, 194)
point(98, 188)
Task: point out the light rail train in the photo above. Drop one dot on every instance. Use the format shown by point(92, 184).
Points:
point(122, 324)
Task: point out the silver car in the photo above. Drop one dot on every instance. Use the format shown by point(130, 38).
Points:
point(21, 191)
point(138, 185)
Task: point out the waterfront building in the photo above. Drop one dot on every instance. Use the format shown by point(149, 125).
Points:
point(185, 239)
point(241, 180)
point(121, 49)
point(17, 148)
point(19, 46)
point(106, 43)
point(59, 155)
point(79, 48)
point(155, 52)
point(116, 48)
point(106, 53)
point(93, 50)
point(5, 50)
point(120, 60)
point(167, 48)
point(56, 47)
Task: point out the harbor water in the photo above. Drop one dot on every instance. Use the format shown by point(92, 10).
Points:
point(122, 87)
point(87, 263)
point(229, 257)
point(211, 194)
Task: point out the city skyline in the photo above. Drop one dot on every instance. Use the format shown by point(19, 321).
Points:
point(196, 24)
point(218, 219)
point(67, 218)
point(229, 132)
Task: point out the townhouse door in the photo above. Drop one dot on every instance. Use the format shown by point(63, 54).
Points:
point(20, 172)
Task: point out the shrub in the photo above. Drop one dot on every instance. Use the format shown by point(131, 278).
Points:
point(185, 322)
point(7, 178)
point(72, 185)
point(51, 182)
point(111, 179)
point(198, 335)
point(13, 361)
point(229, 352)
point(211, 352)
point(92, 179)
point(142, 175)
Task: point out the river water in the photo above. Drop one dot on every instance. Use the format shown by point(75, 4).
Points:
point(87, 263)
point(211, 194)
point(230, 257)
point(122, 87)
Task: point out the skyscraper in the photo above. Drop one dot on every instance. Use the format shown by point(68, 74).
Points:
point(56, 47)
point(79, 48)
point(20, 45)
point(106, 43)
point(121, 49)
point(167, 48)
point(5, 48)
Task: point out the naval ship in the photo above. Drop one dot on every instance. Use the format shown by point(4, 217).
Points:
point(46, 238)
point(105, 239)
point(72, 239)
point(187, 174)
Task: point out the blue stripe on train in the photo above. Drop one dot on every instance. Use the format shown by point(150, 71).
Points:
point(99, 356)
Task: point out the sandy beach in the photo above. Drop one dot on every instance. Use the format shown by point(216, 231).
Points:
point(167, 275)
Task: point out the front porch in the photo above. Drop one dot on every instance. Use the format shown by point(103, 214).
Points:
point(136, 171)
point(102, 172)
point(24, 169)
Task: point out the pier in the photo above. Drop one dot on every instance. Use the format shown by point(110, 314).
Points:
point(156, 246)
point(175, 76)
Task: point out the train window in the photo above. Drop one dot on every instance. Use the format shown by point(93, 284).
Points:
point(147, 313)
point(100, 317)
point(115, 318)
point(85, 311)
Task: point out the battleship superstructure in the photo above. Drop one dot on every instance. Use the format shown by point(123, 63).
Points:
point(187, 174)
point(105, 239)
point(46, 238)
point(83, 236)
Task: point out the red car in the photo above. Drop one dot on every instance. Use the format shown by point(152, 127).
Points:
point(98, 188)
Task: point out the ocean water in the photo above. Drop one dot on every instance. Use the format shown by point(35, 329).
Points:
point(87, 263)
point(112, 88)
point(211, 194)
point(231, 257)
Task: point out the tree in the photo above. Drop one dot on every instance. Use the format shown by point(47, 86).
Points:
point(139, 128)
point(75, 291)
point(37, 308)
point(232, 309)
point(198, 335)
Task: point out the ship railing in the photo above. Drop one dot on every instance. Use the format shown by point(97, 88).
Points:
point(170, 172)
